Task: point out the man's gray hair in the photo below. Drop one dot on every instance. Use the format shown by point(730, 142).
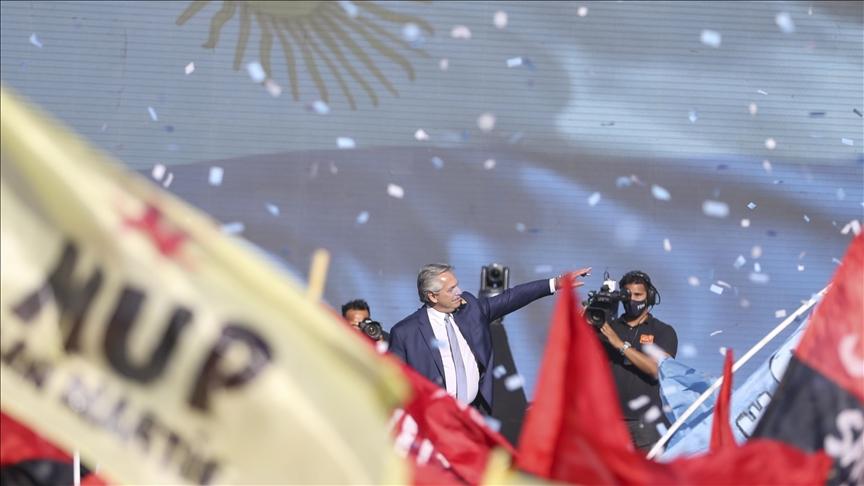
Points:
point(427, 280)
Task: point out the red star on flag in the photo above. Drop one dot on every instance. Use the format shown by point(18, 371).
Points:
point(167, 240)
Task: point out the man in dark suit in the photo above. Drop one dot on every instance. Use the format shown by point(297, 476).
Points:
point(447, 340)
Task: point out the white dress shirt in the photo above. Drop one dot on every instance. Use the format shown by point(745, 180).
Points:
point(439, 327)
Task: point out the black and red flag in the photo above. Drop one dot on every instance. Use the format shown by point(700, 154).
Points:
point(819, 404)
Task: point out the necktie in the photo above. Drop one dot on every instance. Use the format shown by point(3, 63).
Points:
point(461, 376)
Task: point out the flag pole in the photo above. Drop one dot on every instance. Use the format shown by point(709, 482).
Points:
point(738, 364)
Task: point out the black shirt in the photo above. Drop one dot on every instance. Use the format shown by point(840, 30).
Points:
point(630, 381)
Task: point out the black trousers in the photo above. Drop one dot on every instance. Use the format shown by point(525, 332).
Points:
point(644, 435)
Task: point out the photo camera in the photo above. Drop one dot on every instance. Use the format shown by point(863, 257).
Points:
point(372, 329)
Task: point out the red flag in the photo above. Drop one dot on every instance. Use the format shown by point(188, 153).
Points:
point(575, 432)
point(721, 432)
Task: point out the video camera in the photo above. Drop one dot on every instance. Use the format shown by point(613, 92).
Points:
point(372, 329)
point(602, 305)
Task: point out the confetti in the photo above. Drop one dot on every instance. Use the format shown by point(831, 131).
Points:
point(806, 218)
point(543, 269)
point(333, 169)
point(158, 172)
point(582, 11)
point(499, 371)
point(854, 226)
point(857, 112)
point(688, 350)
point(817, 114)
point(745, 223)
point(715, 209)
point(653, 414)
point(168, 180)
point(395, 191)
point(363, 217)
point(784, 21)
point(660, 193)
point(800, 268)
point(766, 164)
point(759, 278)
point(273, 88)
point(667, 245)
point(711, 38)
point(841, 194)
point(780, 313)
point(321, 107)
point(847, 141)
point(715, 333)
point(661, 427)
point(215, 178)
point(753, 108)
point(256, 72)
point(739, 262)
point(460, 32)
point(594, 199)
point(486, 122)
point(623, 182)
point(500, 19)
point(349, 8)
point(757, 267)
point(437, 162)
point(639, 402)
point(489, 164)
point(520, 227)
point(756, 251)
point(411, 32)
point(421, 135)
point(443, 64)
point(514, 62)
point(744, 303)
point(722, 350)
point(35, 40)
point(190, 68)
point(693, 281)
point(491, 422)
point(345, 143)
point(153, 115)
point(693, 116)
point(717, 289)
point(724, 284)
point(762, 92)
point(234, 228)
point(751, 205)
point(514, 382)
point(272, 209)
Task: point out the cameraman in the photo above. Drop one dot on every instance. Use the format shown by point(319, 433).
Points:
point(356, 313)
point(635, 372)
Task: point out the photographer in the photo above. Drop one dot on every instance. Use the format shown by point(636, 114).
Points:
point(356, 313)
point(634, 371)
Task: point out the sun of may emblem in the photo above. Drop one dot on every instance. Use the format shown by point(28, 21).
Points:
point(318, 35)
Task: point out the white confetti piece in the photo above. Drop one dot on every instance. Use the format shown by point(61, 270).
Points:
point(543, 269)
point(514, 62)
point(215, 177)
point(770, 143)
point(582, 11)
point(499, 371)
point(847, 141)
point(460, 32)
point(486, 122)
point(757, 267)
point(759, 278)
point(272, 209)
point(854, 226)
point(594, 199)
point(639, 402)
point(363, 217)
point(689, 351)
point(841, 194)
point(444, 64)
point(492, 422)
point(660, 193)
point(780, 313)
point(751, 205)
point(835, 260)
point(653, 414)
point(168, 180)
point(753, 108)
point(623, 182)
point(756, 251)
point(514, 382)
point(806, 218)
point(345, 143)
point(722, 350)
point(744, 303)
point(693, 115)
point(421, 135)
point(489, 164)
point(715, 333)
point(766, 165)
point(661, 427)
point(333, 169)
point(396, 191)
point(35, 40)
point(158, 172)
point(739, 262)
point(349, 8)
point(667, 245)
point(745, 223)
point(437, 162)
point(256, 72)
point(500, 19)
point(273, 88)
point(190, 68)
point(784, 21)
point(320, 107)
point(520, 227)
point(800, 268)
point(234, 228)
point(153, 115)
point(724, 284)
point(715, 209)
point(717, 289)
point(411, 32)
point(762, 92)
point(711, 38)
point(693, 281)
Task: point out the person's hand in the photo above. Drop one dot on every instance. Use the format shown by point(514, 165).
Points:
point(611, 335)
point(575, 276)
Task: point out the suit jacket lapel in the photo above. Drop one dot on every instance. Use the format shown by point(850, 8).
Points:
point(429, 339)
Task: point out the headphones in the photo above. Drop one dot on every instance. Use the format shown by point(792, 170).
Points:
point(635, 276)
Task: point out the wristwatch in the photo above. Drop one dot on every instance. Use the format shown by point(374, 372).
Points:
point(624, 347)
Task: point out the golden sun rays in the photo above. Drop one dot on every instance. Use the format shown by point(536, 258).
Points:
point(319, 35)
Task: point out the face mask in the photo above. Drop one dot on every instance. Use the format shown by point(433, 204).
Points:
point(633, 308)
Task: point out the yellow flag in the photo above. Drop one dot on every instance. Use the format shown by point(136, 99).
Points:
point(134, 331)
